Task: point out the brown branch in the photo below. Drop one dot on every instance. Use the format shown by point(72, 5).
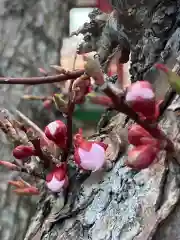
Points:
point(70, 110)
point(30, 123)
point(40, 153)
point(42, 80)
point(22, 169)
point(35, 174)
point(71, 106)
point(69, 131)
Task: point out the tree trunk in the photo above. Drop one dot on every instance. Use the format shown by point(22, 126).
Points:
point(120, 203)
point(30, 38)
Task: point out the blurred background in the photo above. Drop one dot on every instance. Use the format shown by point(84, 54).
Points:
point(34, 34)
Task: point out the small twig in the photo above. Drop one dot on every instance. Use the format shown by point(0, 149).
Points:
point(40, 154)
point(41, 98)
point(22, 169)
point(42, 80)
point(69, 131)
point(50, 156)
point(171, 93)
point(110, 57)
point(35, 174)
point(30, 123)
point(70, 111)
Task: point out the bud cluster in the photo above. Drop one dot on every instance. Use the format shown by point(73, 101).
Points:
point(141, 98)
point(145, 149)
point(88, 156)
point(138, 101)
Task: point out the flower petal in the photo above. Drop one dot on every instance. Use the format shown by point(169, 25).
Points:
point(54, 185)
point(94, 159)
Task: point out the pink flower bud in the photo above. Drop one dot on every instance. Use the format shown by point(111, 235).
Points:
point(57, 132)
point(161, 67)
point(43, 71)
point(57, 179)
point(139, 136)
point(21, 152)
point(9, 165)
point(141, 98)
point(142, 156)
point(27, 191)
point(24, 188)
point(89, 155)
point(81, 87)
point(101, 100)
point(47, 104)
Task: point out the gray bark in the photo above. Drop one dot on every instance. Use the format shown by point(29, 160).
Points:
point(121, 203)
point(30, 38)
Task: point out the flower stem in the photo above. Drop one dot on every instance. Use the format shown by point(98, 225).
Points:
point(70, 111)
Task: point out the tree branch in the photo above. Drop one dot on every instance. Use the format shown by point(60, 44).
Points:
point(30, 123)
point(42, 80)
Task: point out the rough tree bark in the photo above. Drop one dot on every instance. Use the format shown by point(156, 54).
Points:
point(30, 38)
point(121, 203)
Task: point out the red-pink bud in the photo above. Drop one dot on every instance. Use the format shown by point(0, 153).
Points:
point(89, 155)
point(57, 132)
point(141, 97)
point(142, 156)
point(139, 136)
point(21, 152)
point(43, 71)
point(24, 188)
point(57, 179)
point(9, 165)
point(161, 67)
point(81, 87)
point(30, 191)
point(47, 104)
point(101, 100)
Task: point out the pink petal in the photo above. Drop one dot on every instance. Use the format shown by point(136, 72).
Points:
point(60, 173)
point(53, 126)
point(94, 159)
point(54, 185)
point(85, 145)
point(144, 93)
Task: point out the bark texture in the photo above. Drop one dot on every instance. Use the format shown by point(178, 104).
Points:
point(121, 203)
point(30, 38)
